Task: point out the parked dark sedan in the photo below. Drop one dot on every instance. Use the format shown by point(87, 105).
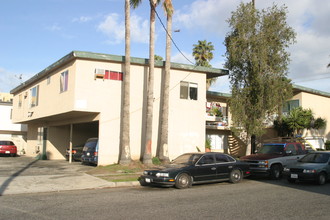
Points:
point(76, 152)
point(193, 168)
point(314, 166)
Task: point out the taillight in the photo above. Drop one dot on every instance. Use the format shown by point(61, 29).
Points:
point(74, 151)
point(95, 153)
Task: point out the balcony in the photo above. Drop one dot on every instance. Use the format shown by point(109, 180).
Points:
point(216, 116)
point(214, 122)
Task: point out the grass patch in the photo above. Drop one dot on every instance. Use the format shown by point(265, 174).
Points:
point(134, 167)
point(121, 178)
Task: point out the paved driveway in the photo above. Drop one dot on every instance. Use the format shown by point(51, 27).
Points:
point(26, 166)
point(29, 175)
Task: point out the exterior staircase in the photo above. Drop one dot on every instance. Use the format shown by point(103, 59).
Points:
point(237, 148)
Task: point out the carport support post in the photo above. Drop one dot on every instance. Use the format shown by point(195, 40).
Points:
point(70, 154)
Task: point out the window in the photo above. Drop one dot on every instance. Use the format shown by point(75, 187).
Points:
point(289, 105)
point(291, 148)
point(20, 100)
point(221, 158)
point(34, 96)
point(300, 150)
point(207, 159)
point(64, 81)
point(188, 90)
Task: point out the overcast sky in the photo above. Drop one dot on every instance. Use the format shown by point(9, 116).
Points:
point(36, 33)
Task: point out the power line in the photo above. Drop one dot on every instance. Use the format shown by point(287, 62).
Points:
point(311, 79)
point(160, 20)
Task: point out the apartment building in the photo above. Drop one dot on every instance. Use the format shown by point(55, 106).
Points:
point(223, 140)
point(80, 96)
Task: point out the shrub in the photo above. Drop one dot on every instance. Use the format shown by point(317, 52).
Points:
point(327, 145)
point(156, 161)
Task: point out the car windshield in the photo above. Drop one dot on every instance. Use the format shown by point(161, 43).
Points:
point(6, 143)
point(315, 158)
point(187, 159)
point(90, 145)
point(271, 149)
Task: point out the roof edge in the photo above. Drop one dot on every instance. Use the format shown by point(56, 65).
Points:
point(212, 72)
point(309, 90)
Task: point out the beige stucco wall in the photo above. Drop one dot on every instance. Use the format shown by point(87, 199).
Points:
point(51, 101)
point(186, 117)
point(320, 106)
point(103, 97)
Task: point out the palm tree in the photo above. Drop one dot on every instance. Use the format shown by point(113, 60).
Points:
point(125, 156)
point(150, 87)
point(203, 54)
point(163, 148)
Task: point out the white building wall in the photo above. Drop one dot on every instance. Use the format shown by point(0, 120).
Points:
point(102, 97)
point(10, 131)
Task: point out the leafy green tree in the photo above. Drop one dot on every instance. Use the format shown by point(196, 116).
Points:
point(158, 58)
point(258, 63)
point(203, 54)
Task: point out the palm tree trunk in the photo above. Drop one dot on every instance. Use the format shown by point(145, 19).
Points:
point(150, 87)
point(163, 148)
point(125, 156)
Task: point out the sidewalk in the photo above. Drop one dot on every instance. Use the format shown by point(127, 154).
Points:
point(34, 176)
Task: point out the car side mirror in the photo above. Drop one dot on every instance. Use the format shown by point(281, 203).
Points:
point(288, 152)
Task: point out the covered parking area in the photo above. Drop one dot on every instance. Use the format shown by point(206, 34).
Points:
point(51, 136)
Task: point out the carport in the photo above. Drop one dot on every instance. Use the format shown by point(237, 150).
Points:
point(51, 136)
point(79, 133)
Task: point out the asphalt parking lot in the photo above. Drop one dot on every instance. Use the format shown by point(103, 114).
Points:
point(28, 175)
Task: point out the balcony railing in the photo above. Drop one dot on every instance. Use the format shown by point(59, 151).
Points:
point(217, 122)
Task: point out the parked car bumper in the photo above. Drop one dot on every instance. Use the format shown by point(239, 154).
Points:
point(260, 171)
point(92, 160)
point(151, 180)
point(11, 151)
point(301, 176)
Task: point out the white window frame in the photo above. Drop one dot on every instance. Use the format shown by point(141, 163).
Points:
point(186, 89)
point(34, 96)
point(64, 81)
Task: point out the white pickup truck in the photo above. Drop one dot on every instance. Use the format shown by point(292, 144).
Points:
point(271, 158)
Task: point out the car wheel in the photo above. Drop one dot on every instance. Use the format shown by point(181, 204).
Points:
point(275, 172)
point(183, 181)
point(235, 176)
point(291, 180)
point(321, 178)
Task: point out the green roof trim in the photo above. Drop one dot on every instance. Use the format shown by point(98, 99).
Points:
point(211, 72)
point(295, 87)
point(142, 61)
point(309, 90)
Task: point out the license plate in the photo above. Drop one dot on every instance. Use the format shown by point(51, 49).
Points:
point(294, 176)
point(148, 180)
point(7, 152)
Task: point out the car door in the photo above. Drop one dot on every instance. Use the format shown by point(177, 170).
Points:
point(205, 168)
point(293, 157)
point(224, 165)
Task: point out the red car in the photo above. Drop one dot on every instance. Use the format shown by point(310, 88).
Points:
point(8, 147)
